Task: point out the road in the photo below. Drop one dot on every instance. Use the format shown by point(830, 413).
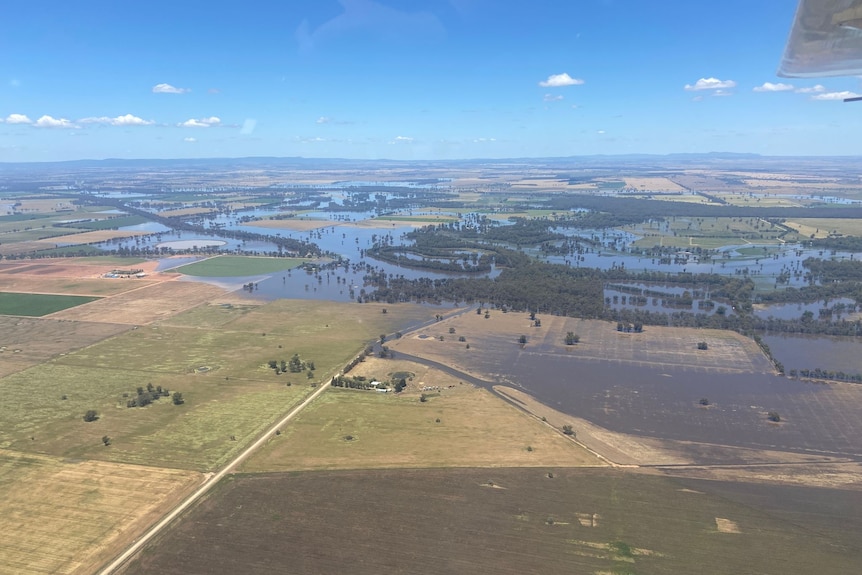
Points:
point(211, 482)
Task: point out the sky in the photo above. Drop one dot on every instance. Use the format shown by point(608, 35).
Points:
point(409, 79)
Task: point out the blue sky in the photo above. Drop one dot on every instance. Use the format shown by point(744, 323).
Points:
point(409, 79)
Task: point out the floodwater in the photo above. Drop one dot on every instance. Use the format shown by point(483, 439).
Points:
point(812, 352)
point(795, 310)
point(664, 403)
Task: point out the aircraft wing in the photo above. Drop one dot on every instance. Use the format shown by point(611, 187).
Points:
point(825, 40)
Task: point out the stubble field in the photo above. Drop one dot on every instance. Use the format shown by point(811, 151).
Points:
point(69, 517)
point(501, 521)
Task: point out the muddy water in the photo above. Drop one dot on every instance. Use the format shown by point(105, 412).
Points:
point(812, 352)
point(663, 402)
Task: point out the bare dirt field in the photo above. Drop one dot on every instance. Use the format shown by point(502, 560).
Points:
point(21, 247)
point(144, 305)
point(501, 521)
point(63, 517)
point(64, 268)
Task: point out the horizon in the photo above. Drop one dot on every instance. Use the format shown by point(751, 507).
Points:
point(426, 80)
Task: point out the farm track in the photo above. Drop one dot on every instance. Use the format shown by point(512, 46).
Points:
point(209, 483)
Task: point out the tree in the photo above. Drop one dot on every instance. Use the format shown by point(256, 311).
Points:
point(572, 338)
point(522, 340)
point(702, 345)
point(704, 401)
point(567, 429)
point(91, 415)
point(177, 398)
point(106, 440)
point(773, 416)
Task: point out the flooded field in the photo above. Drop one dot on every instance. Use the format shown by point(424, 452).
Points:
point(812, 352)
point(652, 384)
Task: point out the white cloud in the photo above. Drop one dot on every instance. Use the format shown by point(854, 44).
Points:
point(127, 120)
point(201, 123)
point(770, 87)
point(18, 119)
point(402, 140)
point(552, 98)
point(51, 122)
point(829, 96)
point(812, 90)
point(710, 84)
point(481, 140)
point(168, 89)
point(559, 80)
point(323, 120)
point(190, 139)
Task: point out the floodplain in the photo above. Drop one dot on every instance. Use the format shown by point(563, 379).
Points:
point(508, 450)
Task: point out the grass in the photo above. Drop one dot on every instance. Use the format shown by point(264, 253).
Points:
point(238, 395)
point(238, 266)
point(38, 305)
point(706, 232)
point(475, 428)
point(111, 223)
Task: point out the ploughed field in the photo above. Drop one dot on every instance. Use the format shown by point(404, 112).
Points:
point(500, 521)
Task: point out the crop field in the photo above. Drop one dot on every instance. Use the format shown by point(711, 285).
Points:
point(37, 305)
point(706, 232)
point(29, 341)
point(222, 372)
point(458, 425)
point(62, 517)
point(821, 227)
point(500, 521)
point(688, 198)
point(68, 286)
point(418, 220)
point(653, 184)
point(7, 249)
point(33, 234)
point(298, 224)
point(237, 266)
point(111, 223)
point(144, 305)
point(763, 201)
point(93, 237)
